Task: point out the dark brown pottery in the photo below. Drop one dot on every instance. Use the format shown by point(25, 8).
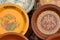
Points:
point(37, 13)
point(12, 36)
point(54, 37)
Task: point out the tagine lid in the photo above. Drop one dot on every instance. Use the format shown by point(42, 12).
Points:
point(45, 21)
point(13, 18)
point(26, 4)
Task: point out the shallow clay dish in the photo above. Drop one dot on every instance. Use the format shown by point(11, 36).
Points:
point(54, 37)
point(45, 21)
point(13, 18)
point(12, 36)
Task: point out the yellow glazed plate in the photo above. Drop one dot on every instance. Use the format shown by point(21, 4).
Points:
point(13, 19)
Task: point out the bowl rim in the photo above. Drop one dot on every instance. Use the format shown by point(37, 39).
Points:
point(13, 33)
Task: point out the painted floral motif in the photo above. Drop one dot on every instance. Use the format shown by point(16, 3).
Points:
point(9, 22)
point(48, 22)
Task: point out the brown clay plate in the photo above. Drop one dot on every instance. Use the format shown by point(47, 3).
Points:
point(12, 36)
point(54, 37)
point(45, 21)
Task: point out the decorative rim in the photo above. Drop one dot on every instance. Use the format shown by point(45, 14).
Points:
point(12, 33)
point(31, 6)
point(25, 28)
point(35, 15)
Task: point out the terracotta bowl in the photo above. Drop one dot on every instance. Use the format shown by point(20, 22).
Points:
point(54, 37)
point(41, 31)
point(12, 36)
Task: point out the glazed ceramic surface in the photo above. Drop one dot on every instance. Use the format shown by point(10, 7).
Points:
point(26, 4)
point(13, 19)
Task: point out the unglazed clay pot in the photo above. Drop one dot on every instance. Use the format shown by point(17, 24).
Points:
point(12, 36)
point(45, 21)
point(54, 37)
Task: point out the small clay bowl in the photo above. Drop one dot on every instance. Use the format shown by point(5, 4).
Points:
point(12, 36)
point(54, 37)
point(41, 22)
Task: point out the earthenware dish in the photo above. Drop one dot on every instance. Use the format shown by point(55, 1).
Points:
point(43, 21)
